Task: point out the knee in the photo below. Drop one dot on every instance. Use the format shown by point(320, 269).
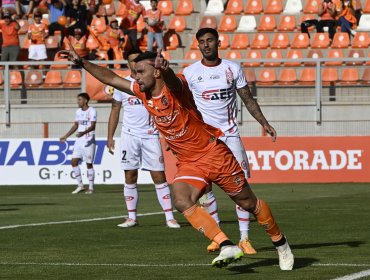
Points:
point(158, 177)
point(131, 177)
point(89, 165)
point(74, 162)
point(248, 204)
point(182, 204)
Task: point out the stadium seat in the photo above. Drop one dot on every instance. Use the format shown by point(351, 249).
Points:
point(167, 55)
point(15, 79)
point(1, 79)
point(225, 42)
point(340, 40)
point(273, 54)
point(300, 41)
point(307, 76)
point(57, 57)
point(250, 75)
point(177, 23)
point(367, 63)
point(194, 44)
point(184, 8)
point(293, 7)
point(273, 7)
point(52, 42)
point(293, 54)
point(253, 7)
point(53, 79)
point(364, 24)
point(260, 41)
point(338, 55)
point(240, 41)
point(287, 23)
point(171, 40)
point(72, 79)
point(267, 23)
point(280, 41)
point(314, 54)
point(166, 7)
point(365, 79)
point(267, 76)
point(122, 10)
point(234, 7)
point(329, 75)
point(208, 21)
point(214, 7)
point(23, 24)
point(145, 3)
point(288, 76)
point(350, 76)
point(312, 7)
point(108, 9)
point(366, 8)
point(254, 55)
point(320, 41)
point(233, 55)
point(247, 24)
point(143, 42)
point(357, 54)
point(33, 79)
point(98, 24)
point(227, 24)
point(361, 40)
point(192, 55)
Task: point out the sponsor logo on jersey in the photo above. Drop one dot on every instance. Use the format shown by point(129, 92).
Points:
point(132, 100)
point(166, 119)
point(164, 101)
point(200, 79)
point(218, 94)
point(215, 77)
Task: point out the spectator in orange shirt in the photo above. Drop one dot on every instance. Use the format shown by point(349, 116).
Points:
point(37, 33)
point(155, 22)
point(78, 41)
point(128, 24)
point(346, 17)
point(115, 38)
point(327, 12)
point(9, 28)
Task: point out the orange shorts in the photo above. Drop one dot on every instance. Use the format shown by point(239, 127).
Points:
point(218, 166)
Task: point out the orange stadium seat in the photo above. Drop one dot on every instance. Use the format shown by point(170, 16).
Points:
point(177, 23)
point(57, 57)
point(273, 54)
point(250, 75)
point(368, 62)
point(233, 55)
point(307, 76)
point(208, 21)
point(288, 76)
point(52, 42)
point(122, 10)
point(228, 24)
point(338, 55)
point(300, 41)
point(53, 79)
point(15, 79)
point(166, 7)
point(166, 55)
point(184, 7)
point(340, 40)
point(225, 42)
point(253, 7)
point(357, 54)
point(273, 7)
point(98, 24)
point(350, 76)
point(267, 23)
point(109, 10)
point(194, 44)
point(293, 54)
point(254, 55)
point(314, 54)
point(23, 24)
point(329, 75)
point(365, 79)
point(311, 7)
point(33, 79)
point(287, 23)
point(143, 42)
point(320, 41)
point(267, 76)
point(171, 40)
point(72, 79)
point(361, 40)
point(192, 55)
point(280, 41)
point(260, 41)
point(234, 7)
point(240, 41)
point(366, 9)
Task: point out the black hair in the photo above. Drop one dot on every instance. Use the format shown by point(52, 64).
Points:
point(205, 30)
point(146, 55)
point(126, 54)
point(84, 95)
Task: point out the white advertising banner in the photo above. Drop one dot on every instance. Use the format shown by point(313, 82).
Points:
point(47, 162)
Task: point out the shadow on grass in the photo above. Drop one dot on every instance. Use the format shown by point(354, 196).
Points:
point(9, 209)
point(352, 244)
point(28, 204)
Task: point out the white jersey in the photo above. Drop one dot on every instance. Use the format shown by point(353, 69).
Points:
point(214, 90)
point(84, 120)
point(136, 119)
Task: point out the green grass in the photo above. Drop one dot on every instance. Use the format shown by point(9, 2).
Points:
point(325, 224)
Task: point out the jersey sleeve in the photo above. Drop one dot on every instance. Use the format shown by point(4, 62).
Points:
point(241, 81)
point(94, 115)
point(76, 116)
point(117, 95)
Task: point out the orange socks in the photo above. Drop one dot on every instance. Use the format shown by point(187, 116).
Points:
point(265, 219)
point(204, 223)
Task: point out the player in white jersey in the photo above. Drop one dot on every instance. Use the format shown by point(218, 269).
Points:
point(84, 147)
point(215, 84)
point(140, 148)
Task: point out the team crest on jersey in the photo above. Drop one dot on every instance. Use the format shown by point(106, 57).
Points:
point(108, 90)
point(237, 180)
point(244, 165)
point(229, 76)
point(200, 79)
point(164, 101)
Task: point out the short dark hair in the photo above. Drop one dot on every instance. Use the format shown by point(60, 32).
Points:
point(126, 54)
point(84, 95)
point(205, 30)
point(146, 55)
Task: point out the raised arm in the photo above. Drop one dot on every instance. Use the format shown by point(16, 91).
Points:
point(169, 77)
point(255, 110)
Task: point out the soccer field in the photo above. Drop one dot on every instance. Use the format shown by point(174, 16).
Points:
point(328, 227)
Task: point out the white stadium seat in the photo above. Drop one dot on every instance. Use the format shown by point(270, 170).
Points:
point(214, 7)
point(247, 24)
point(293, 7)
point(364, 24)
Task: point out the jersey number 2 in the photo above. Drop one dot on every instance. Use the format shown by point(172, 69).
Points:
point(123, 155)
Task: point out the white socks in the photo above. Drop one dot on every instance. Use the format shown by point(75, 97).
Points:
point(91, 176)
point(164, 198)
point(209, 203)
point(243, 218)
point(77, 172)
point(131, 197)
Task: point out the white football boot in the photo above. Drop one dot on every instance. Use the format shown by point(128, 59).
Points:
point(78, 189)
point(173, 224)
point(128, 223)
point(228, 254)
point(286, 257)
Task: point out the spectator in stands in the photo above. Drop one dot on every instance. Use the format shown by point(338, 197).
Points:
point(128, 24)
point(9, 29)
point(9, 6)
point(346, 17)
point(77, 16)
point(24, 8)
point(78, 41)
point(116, 39)
point(358, 10)
point(37, 33)
point(57, 8)
point(306, 24)
point(155, 23)
point(327, 13)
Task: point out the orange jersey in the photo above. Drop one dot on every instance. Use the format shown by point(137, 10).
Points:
point(133, 13)
point(179, 122)
point(114, 36)
point(79, 45)
point(38, 32)
point(155, 15)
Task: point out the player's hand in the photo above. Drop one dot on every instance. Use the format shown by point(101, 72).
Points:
point(79, 134)
point(72, 54)
point(63, 139)
point(110, 145)
point(271, 131)
point(160, 62)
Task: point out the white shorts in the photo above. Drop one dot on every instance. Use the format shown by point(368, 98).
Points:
point(144, 153)
point(37, 52)
point(235, 144)
point(84, 150)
